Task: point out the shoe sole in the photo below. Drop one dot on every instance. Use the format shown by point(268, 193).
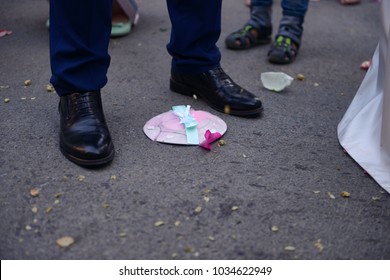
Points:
point(89, 162)
point(183, 89)
point(239, 47)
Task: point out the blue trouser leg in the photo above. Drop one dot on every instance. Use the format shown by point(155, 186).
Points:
point(295, 8)
point(196, 26)
point(79, 38)
point(291, 24)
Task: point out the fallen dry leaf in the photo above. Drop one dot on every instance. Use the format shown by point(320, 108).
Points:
point(113, 177)
point(345, 194)
point(49, 209)
point(300, 77)
point(27, 83)
point(65, 241)
point(7, 100)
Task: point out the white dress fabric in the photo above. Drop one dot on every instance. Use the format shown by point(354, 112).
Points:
point(364, 131)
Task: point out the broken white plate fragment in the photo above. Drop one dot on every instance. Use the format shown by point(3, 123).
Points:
point(276, 81)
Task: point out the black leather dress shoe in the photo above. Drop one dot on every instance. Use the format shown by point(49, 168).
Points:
point(219, 91)
point(84, 136)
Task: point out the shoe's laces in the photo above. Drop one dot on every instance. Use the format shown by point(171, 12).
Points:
point(84, 105)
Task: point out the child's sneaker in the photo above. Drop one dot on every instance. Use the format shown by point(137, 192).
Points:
point(283, 50)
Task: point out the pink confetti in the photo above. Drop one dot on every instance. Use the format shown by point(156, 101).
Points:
point(4, 32)
point(210, 137)
point(365, 64)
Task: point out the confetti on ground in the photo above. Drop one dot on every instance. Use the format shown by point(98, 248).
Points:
point(34, 192)
point(365, 65)
point(27, 83)
point(331, 195)
point(188, 249)
point(318, 245)
point(159, 223)
point(65, 241)
point(211, 238)
point(174, 255)
point(226, 109)
point(81, 178)
point(49, 209)
point(34, 210)
point(316, 84)
point(316, 192)
point(122, 234)
point(198, 210)
point(106, 205)
point(177, 223)
point(300, 77)
point(289, 248)
point(221, 143)
point(234, 208)
point(113, 177)
point(206, 199)
point(28, 227)
point(49, 88)
point(5, 32)
point(7, 100)
point(375, 198)
point(274, 228)
point(345, 194)
point(57, 195)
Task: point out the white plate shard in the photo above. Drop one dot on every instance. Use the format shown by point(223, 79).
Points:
point(276, 81)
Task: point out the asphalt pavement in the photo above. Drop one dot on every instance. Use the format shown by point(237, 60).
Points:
point(273, 191)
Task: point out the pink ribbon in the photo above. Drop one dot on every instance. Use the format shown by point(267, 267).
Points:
point(210, 137)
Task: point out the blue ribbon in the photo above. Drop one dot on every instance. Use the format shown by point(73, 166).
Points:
point(190, 124)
